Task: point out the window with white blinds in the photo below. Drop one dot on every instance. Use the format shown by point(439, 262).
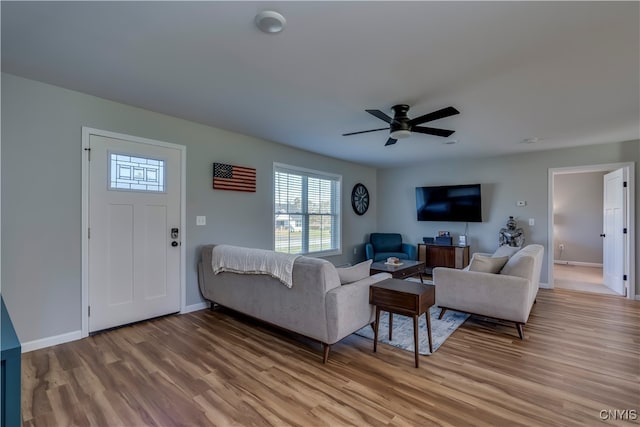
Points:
point(306, 211)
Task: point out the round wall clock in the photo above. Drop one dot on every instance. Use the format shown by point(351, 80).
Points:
point(360, 199)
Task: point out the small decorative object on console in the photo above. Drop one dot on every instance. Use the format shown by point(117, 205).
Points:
point(443, 240)
point(394, 261)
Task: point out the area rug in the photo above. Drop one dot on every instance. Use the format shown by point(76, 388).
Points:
point(403, 330)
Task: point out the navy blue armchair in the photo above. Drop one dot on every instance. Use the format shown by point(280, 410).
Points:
point(384, 245)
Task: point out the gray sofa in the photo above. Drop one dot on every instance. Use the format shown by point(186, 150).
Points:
point(508, 295)
point(316, 306)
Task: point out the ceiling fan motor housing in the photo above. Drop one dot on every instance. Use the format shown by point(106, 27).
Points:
point(400, 119)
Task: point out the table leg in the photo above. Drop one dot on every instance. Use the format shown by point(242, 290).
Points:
point(420, 274)
point(375, 330)
point(416, 343)
point(390, 326)
point(429, 329)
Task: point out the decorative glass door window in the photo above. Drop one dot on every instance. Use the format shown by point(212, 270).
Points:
point(136, 173)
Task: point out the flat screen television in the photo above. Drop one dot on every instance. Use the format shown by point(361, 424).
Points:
point(455, 203)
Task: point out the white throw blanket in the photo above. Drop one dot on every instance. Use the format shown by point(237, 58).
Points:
point(235, 259)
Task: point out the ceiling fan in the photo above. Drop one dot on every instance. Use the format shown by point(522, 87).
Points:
point(401, 126)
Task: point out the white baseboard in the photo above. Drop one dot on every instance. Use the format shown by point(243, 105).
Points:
point(196, 307)
point(50, 341)
point(578, 263)
point(544, 286)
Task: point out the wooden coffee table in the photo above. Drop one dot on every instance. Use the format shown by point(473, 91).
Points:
point(405, 298)
point(407, 268)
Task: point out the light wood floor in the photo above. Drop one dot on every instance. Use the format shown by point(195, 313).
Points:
point(580, 278)
point(581, 355)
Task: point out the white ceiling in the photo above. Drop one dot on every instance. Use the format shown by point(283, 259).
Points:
point(564, 72)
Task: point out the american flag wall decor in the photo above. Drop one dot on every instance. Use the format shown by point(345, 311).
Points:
point(235, 178)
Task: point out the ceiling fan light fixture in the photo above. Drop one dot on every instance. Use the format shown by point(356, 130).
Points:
point(270, 22)
point(401, 126)
point(400, 134)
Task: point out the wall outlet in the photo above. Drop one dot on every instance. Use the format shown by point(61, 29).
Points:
point(201, 220)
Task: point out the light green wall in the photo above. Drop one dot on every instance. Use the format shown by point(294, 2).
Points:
point(41, 195)
point(505, 180)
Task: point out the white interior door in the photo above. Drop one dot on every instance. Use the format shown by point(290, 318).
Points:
point(613, 237)
point(134, 231)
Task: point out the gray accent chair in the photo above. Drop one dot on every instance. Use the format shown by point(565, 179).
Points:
point(316, 306)
point(508, 295)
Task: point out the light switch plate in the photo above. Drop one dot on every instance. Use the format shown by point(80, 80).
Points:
point(532, 221)
point(521, 203)
point(201, 220)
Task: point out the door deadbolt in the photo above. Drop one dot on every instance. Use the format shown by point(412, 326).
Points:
point(174, 233)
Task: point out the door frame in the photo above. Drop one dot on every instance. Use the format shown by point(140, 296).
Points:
point(629, 262)
point(86, 134)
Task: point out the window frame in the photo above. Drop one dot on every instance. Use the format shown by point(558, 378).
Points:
point(306, 173)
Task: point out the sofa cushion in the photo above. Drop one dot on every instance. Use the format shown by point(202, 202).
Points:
point(386, 242)
point(354, 273)
point(520, 265)
point(506, 250)
point(488, 264)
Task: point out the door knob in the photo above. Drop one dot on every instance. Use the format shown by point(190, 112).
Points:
point(174, 243)
point(602, 235)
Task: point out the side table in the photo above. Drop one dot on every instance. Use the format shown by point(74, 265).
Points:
point(405, 298)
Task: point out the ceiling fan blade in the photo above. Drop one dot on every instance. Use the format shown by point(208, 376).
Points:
point(390, 141)
point(440, 114)
point(379, 114)
point(363, 131)
point(432, 131)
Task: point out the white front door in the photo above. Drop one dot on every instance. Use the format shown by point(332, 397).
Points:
point(613, 237)
point(134, 231)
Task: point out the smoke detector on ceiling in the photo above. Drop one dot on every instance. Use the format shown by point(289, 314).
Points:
point(270, 22)
point(531, 140)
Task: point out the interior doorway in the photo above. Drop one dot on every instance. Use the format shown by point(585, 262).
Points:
point(584, 252)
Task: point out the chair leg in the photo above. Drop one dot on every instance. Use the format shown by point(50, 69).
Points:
point(325, 355)
point(520, 331)
point(442, 312)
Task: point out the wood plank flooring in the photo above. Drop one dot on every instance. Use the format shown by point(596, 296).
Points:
point(581, 355)
point(580, 278)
